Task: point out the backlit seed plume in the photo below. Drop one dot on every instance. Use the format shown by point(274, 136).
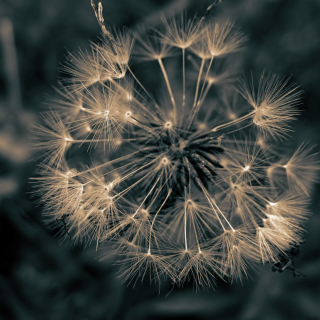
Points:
point(187, 186)
point(273, 103)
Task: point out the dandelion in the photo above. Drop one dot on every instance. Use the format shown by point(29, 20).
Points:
point(187, 186)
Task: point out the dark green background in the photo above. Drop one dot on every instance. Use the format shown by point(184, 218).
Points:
point(41, 279)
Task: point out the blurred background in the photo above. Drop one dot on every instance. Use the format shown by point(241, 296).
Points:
point(43, 279)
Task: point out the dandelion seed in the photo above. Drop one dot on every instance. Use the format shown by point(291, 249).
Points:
point(223, 39)
point(274, 103)
point(53, 139)
point(150, 47)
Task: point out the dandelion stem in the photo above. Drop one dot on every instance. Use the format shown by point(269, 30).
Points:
point(169, 88)
point(184, 76)
point(158, 192)
point(205, 78)
point(213, 204)
point(185, 219)
point(88, 111)
point(233, 122)
point(209, 200)
point(154, 219)
point(110, 162)
point(144, 200)
point(98, 140)
point(198, 82)
point(134, 171)
point(196, 93)
point(123, 192)
point(195, 232)
point(142, 125)
point(142, 87)
point(123, 178)
point(199, 103)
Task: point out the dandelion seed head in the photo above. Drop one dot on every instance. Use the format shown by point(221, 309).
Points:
point(187, 185)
